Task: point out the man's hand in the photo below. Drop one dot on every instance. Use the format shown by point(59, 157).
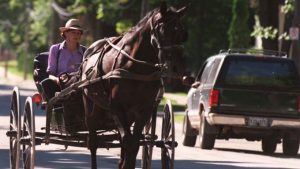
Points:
point(54, 78)
point(64, 78)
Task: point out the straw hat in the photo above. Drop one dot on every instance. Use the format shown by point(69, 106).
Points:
point(71, 24)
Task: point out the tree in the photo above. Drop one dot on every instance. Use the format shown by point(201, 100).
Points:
point(295, 45)
point(239, 33)
point(28, 31)
point(207, 23)
point(268, 17)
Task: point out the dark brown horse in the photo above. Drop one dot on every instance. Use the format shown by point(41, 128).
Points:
point(123, 78)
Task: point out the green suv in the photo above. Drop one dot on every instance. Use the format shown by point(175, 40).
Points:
point(252, 95)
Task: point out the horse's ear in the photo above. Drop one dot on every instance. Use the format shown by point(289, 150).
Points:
point(163, 8)
point(180, 12)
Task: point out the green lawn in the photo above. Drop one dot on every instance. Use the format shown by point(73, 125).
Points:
point(13, 68)
point(179, 118)
point(175, 105)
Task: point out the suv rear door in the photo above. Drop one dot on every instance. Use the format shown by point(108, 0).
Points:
point(258, 86)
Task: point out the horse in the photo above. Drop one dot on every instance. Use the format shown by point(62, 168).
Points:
point(123, 78)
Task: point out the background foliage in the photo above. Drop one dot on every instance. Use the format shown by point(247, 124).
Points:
point(28, 27)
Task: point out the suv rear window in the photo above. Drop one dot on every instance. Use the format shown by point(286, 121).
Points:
point(259, 71)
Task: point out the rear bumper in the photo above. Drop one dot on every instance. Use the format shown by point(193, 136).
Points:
point(239, 120)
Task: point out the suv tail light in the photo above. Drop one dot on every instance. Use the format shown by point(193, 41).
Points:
point(37, 98)
point(214, 98)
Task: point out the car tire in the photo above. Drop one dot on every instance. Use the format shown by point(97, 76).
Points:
point(290, 146)
point(269, 145)
point(206, 140)
point(189, 139)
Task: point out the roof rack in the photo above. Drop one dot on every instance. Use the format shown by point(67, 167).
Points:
point(271, 53)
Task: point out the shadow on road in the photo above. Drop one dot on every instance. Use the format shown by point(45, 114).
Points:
point(278, 155)
point(75, 160)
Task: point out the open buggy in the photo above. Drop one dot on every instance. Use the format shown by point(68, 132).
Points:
point(116, 96)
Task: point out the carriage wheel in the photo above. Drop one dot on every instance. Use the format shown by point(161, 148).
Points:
point(168, 136)
point(28, 136)
point(15, 129)
point(149, 132)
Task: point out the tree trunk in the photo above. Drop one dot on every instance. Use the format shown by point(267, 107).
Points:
point(54, 36)
point(295, 45)
point(144, 8)
point(98, 29)
point(268, 16)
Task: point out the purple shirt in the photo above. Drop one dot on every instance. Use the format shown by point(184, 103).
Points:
point(68, 61)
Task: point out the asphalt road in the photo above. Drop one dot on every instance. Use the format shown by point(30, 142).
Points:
point(232, 154)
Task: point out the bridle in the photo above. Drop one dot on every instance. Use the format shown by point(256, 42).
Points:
point(155, 36)
point(157, 42)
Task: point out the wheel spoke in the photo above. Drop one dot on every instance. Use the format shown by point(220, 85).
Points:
point(14, 127)
point(148, 148)
point(28, 132)
point(168, 136)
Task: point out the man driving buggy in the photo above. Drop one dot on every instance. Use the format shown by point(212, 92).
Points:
point(65, 57)
point(64, 61)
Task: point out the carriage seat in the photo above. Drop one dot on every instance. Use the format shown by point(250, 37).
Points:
point(40, 76)
point(40, 64)
point(71, 114)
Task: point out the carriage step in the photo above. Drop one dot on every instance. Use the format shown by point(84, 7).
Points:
point(149, 137)
point(27, 141)
point(163, 144)
point(12, 133)
point(39, 141)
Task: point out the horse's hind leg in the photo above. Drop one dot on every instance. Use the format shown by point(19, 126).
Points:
point(92, 142)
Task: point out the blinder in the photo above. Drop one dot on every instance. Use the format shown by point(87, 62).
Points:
point(158, 40)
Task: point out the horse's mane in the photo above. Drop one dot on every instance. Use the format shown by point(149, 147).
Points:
point(143, 21)
point(134, 31)
point(146, 18)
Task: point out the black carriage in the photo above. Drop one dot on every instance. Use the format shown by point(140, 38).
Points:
point(62, 130)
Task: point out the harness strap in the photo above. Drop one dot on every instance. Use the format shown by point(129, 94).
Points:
point(130, 58)
point(122, 74)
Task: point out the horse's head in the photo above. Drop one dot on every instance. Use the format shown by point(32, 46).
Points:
point(168, 35)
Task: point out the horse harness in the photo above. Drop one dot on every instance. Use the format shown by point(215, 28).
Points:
point(120, 73)
point(123, 73)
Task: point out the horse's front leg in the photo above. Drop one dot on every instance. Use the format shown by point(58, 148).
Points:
point(93, 145)
point(129, 150)
point(121, 162)
point(130, 147)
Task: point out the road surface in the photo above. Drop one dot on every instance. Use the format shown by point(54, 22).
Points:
point(232, 154)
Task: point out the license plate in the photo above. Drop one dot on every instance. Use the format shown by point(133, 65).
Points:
point(258, 121)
